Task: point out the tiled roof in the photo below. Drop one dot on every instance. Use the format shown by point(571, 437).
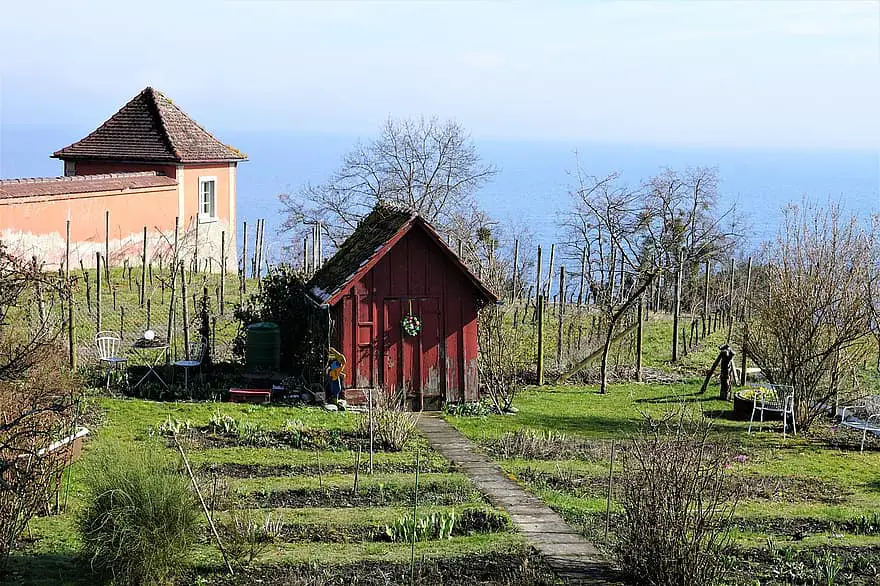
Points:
point(366, 243)
point(151, 128)
point(47, 186)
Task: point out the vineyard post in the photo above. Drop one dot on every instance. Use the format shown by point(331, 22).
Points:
point(540, 311)
point(98, 292)
point(745, 317)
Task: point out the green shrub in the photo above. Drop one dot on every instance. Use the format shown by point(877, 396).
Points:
point(393, 426)
point(140, 519)
point(282, 300)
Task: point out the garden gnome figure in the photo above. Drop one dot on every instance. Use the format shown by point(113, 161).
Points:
point(336, 377)
point(726, 374)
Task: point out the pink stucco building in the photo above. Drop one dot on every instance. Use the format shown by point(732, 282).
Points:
point(146, 165)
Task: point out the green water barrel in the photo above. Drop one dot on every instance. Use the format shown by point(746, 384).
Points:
point(263, 351)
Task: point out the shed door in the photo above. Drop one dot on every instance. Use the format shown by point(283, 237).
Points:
point(413, 362)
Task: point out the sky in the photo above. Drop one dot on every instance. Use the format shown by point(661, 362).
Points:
point(756, 74)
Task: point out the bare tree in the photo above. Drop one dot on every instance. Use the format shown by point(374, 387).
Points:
point(426, 165)
point(812, 308)
point(36, 405)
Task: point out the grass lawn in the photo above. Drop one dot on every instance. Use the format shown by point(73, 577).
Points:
point(803, 497)
point(327, 524)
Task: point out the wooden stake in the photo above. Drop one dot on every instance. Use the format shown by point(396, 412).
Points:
point(98, 292)
point(107, 245)
point(185, 312)
point(195, 484)
point(549, 285)
point(71, 326)
point(745, 317)
point(640, 335)
point(538, 289)
point(583, 276)
point(561, 316)
point(222, 271)
point(706, 300)
point(513, 292)
point(540, 310)
point(677, 309)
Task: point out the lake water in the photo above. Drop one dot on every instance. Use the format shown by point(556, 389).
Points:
point(533, 183)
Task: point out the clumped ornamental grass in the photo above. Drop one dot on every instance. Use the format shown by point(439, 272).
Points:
point(140, 520)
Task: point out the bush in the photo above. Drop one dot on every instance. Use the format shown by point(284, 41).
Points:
point(676, 504)
point(282, 300)
point(247, 536)
point(393, 426)
point(140, 520)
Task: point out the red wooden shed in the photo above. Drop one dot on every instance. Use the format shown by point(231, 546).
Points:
point(395, 264)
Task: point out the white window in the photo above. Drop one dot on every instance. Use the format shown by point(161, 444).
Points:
point(207, 198)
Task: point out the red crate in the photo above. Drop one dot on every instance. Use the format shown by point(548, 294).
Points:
point(250, 395)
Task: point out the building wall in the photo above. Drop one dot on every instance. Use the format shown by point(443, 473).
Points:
point(211, 233)
point(211, 237)
point(438, 364)
point(36, 226)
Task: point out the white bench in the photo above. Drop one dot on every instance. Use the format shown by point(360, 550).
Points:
point(864, 418)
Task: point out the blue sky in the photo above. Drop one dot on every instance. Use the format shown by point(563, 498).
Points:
point(727, 74)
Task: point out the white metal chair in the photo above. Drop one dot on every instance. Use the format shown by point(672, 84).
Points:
point(869, 420)
point(194, 359)
point(774, 399)
point(108, 345)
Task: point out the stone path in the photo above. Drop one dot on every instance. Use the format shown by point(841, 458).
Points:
point(573, 558)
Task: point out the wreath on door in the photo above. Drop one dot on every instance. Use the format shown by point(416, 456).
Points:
point(410, 323)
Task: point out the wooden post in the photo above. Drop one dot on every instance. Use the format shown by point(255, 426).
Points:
point(71, 326)
point(185, 312)
point(196, 247)
point(677, 308)
point(513, 293)
point(121, 322)
point(170, 326)
point(460, 249)
point(222, 271)
point(258, 253)
point(549, 286)
point(745, 317)
point(583, 276)
point(640, 335)
point(540, 309)
point(244, 244)
point(144, 269)
point(98, 292)
point(561, 316)
point(107, 245)
point(706, 300)
point(538, 289)
point(67, 255)
point(730, 292)
point(149, 311)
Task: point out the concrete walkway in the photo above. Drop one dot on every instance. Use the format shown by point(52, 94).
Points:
point(573, 558)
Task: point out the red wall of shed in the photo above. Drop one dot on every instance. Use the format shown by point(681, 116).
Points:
point(368, 322)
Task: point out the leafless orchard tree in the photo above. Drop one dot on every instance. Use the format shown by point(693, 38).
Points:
point(813, 308)
point(628, 236)
point(426, 165)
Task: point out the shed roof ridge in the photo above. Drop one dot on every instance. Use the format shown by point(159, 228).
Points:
point(74, 178)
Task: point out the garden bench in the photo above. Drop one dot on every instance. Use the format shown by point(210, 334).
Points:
point(250, 395)
point(864, 418)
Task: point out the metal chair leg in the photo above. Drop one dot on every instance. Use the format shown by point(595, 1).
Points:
point(751, 420)
point(864, 435)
